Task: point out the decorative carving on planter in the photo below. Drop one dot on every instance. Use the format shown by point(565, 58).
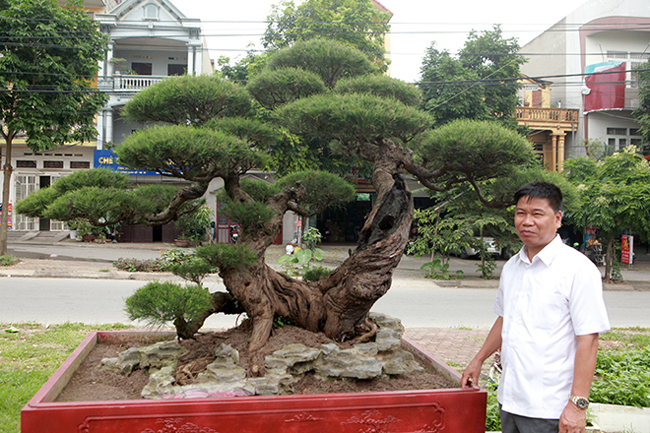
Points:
point(377, 422)
point(178, 425)
point(304, 418)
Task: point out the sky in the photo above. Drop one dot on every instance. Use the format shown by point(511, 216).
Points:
point(232, 27)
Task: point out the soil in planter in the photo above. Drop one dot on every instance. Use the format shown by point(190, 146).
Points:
point(90, 383)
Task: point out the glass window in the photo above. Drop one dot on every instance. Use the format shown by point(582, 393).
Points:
point(142, 68)
point(26, 164)
point(616, 131)
point(52, 164)
point(622, 143)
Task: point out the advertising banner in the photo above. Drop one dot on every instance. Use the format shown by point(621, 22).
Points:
point(605, 86)
point(105, 158)
point(10, 216)
point(627, 248)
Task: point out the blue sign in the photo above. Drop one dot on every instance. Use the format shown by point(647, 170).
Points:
point(107, 159)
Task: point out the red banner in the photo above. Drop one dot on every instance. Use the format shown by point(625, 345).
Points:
point(606, 83)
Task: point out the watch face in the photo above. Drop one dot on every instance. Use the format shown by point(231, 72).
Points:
point(582, 403)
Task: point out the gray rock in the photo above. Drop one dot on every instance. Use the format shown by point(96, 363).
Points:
point(384, 321)
point(295, 358)
point(388, 339)
point(399, 362)
point(350, 363)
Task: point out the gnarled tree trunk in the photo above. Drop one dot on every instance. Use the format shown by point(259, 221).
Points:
point(339, 304)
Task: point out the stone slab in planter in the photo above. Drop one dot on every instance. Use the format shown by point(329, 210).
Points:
point(444, 411)
point(613, 417)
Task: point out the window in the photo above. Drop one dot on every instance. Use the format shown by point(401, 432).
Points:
point(635, 131)
point(176, 70)
point(25, 185)
point(151, 12)
point(26, 164)
point(79, 164)
point(622, 143)
point(616, 131)
point(142, 68)
point(52, 164)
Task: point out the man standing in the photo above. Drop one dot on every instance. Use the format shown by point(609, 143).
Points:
point(550, 311)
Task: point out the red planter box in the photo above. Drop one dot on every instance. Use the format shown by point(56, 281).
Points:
point(446, 410)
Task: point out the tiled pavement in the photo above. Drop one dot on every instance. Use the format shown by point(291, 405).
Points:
point(455, 346)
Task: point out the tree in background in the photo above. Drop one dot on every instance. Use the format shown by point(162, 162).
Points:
point(48, 57)
point(336, 95)
point(357, 23)
point(478, 84)
point(642, 113)
point(459, 217)
point(615, 195)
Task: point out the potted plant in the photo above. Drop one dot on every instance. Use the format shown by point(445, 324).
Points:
point(194, 226)
point(435, 410)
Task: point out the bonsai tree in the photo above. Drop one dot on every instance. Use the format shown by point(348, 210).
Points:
point(210, 131)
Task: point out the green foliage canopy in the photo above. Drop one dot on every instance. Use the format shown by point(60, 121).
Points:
point(45, 72)
point(188, 100)
point(469, 86)
point(357, 23)
point(330, 60)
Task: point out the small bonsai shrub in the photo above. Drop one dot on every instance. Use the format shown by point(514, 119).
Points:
point(194, 269)
point(159, 303)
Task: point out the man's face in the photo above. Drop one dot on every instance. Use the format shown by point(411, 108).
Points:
point(536, 223)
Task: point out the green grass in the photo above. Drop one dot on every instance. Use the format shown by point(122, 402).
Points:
point(29, 357)
point(631, 337)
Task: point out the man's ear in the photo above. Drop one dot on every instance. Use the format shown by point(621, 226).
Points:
point(558, 219)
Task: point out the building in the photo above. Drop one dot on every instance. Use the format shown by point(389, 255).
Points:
point(587, 59)
point(149, 41)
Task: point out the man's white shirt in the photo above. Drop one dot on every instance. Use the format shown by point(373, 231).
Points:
point(545, 304)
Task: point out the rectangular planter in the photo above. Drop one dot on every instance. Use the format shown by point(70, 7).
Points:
point(445, 410)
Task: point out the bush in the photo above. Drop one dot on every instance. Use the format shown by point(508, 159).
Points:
point(622, 378)
point(136, 265)
point(8, 260)
point(316, 273)
point(162, 302)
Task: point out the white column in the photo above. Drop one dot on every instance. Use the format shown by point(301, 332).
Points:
point(190, 60)
point(100, 130)
point(109, 125)
point(110, 67)
point(199, 60)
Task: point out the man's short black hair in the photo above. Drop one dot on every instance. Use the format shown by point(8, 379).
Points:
point(540, 189)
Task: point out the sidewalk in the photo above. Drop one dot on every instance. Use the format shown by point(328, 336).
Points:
point(55, 257)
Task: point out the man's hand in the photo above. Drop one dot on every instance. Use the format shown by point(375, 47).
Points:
point(573, 419)
point(469, 380)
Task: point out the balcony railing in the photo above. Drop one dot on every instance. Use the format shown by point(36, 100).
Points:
point(126, 83)
point(546, 114)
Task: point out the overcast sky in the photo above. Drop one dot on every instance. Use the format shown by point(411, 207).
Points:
point(232, 26)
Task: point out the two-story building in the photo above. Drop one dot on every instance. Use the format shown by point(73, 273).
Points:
point(587, 59)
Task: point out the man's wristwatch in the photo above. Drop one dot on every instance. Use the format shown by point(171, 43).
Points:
point(581, 402)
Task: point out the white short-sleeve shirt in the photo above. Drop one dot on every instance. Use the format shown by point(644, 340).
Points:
point(545, 304)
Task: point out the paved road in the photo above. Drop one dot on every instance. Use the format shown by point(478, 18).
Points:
point(418, 303)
